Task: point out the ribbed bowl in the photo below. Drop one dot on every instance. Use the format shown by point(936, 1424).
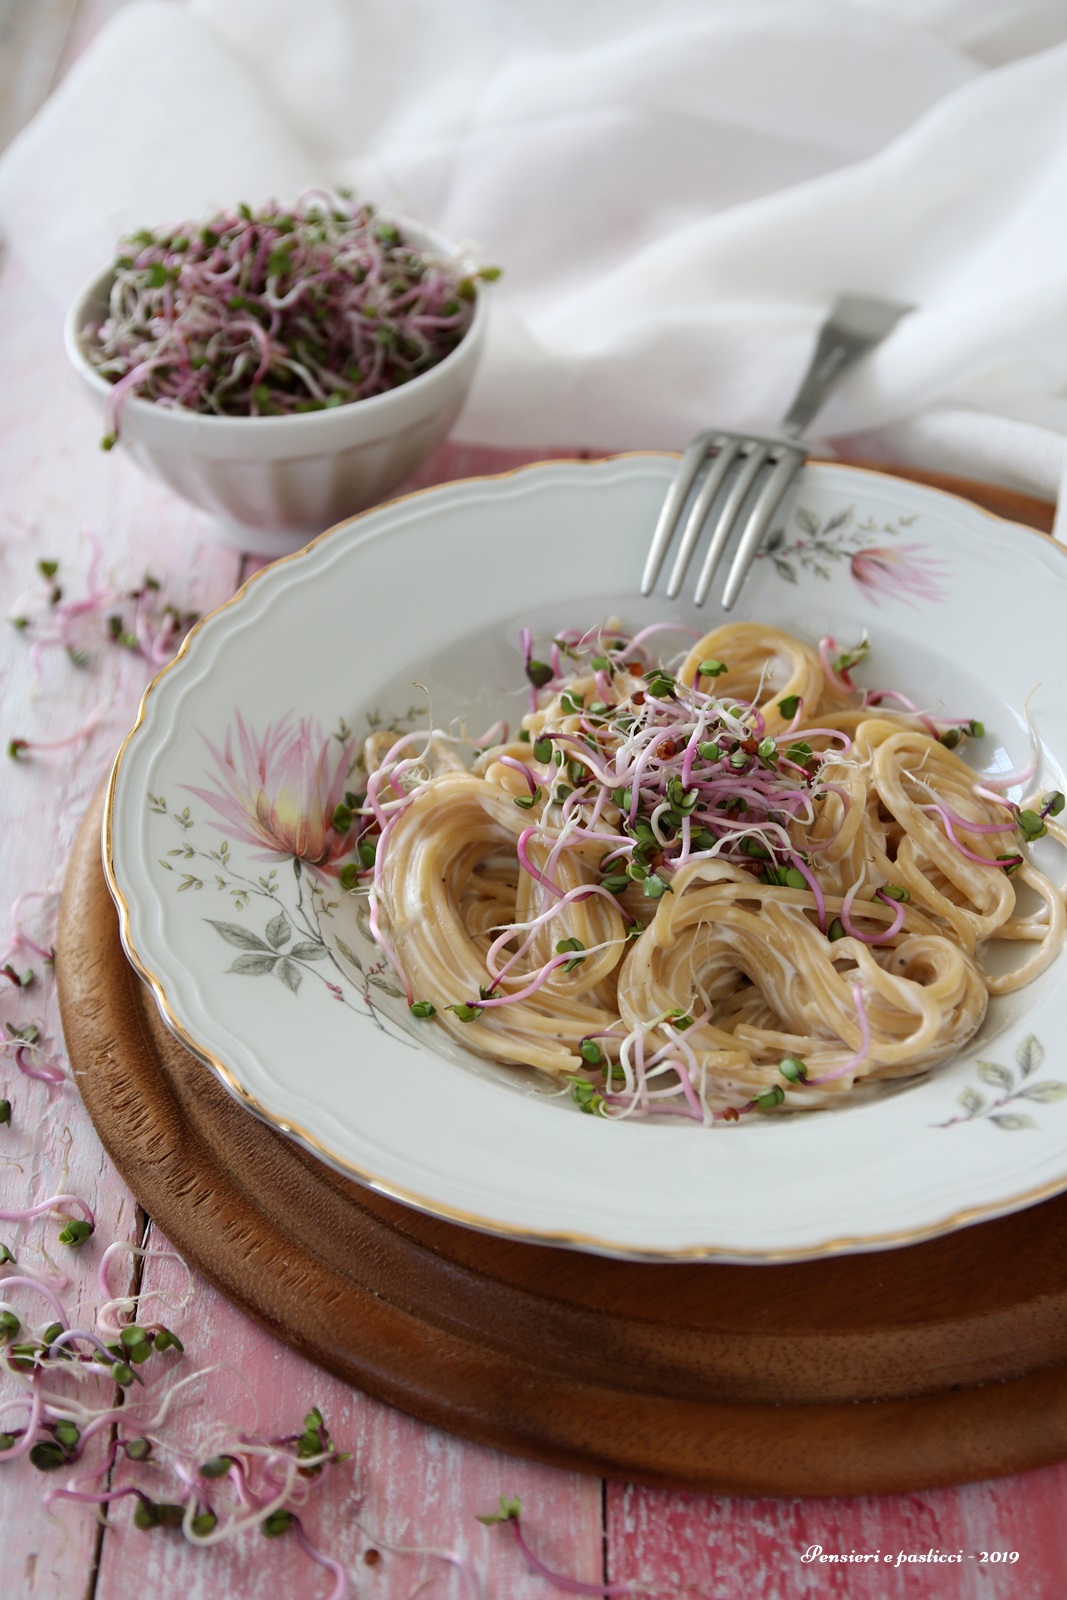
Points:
point(275, 482)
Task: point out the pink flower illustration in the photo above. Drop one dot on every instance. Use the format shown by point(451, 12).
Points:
point(904, 572)
point(280, 791)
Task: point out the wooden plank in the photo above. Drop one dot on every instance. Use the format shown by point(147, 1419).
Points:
point(408, 1484)
point(56, 481)
point(720, 1548)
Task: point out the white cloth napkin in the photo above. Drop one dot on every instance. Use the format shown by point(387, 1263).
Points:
point(675, 192)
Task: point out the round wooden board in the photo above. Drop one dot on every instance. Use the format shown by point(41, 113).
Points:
point(905, 1369)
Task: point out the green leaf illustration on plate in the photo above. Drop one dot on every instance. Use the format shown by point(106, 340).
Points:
point(878, 562)
point(253, 966)
point(233, 934)
point(1029, 1057)
point(288, 943)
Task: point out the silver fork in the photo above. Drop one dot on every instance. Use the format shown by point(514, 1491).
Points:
point(854, 326)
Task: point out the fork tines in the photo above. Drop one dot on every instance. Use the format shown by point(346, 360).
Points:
point(779, 460)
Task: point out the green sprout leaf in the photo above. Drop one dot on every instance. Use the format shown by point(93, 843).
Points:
point(510, 1511)
point(539, 673)
point(1031, 825)
point(770, 1098)
point(76, 1232)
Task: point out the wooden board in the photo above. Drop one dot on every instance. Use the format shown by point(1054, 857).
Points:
point(936, 1364)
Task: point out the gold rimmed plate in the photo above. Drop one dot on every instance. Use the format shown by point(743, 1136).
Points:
point(231, 907)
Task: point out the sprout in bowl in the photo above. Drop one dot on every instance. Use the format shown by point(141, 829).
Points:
point(281, 369)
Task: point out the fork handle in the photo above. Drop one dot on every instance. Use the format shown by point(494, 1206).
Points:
point(855, 325)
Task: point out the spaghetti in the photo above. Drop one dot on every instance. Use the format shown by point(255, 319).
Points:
point(745, 886)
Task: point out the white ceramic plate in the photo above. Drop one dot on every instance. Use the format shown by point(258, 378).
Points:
point(279, 991)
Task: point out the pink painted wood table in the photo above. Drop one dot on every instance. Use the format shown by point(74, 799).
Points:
point(407, 1484)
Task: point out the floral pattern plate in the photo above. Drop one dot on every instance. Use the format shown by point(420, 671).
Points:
point(223, 859)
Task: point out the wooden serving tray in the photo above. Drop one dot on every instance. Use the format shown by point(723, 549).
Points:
point(903, 1369)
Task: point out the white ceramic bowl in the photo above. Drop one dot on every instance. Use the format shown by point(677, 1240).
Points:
point(275, 482)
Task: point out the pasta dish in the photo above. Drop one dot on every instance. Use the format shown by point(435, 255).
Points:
point(744, 885)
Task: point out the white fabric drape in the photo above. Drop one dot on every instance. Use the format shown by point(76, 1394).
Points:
point(675, 193)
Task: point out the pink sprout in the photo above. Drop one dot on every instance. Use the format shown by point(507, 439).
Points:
point(969, 855)
point(874, 697)
point(521, 767)
point(687, 1088)
point(19, 937)
point(79, 736)
point(20, 1280)
point(839, 681)
point(538, 981)
point(660, 627)
point(815, 887)
point(270, 313)
point(527, 865)
point(954, 817)
point(340, 1575)
point(55, 1202)
point(69, 1335)
point(862, 1053)
point(22, 1446)
point(885, 936)
point(560, 1581)
point(46, 1072)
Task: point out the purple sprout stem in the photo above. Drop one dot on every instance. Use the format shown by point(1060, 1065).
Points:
point(687, 1088)
point(839, 681)
point(861, 1054)
point(660, 627)
point(814, 886)
point(43, 1074)
point(340, 1574)
point(521, 767)
point(77, 737)
point(969, 855)
point(69, 1335)
point(24, 1444)
point(875, 697)
point(91, 1497)
point(853, 932)
point(953, 817)
point(569, 1585)
point(19, 937)
point(53, 1203)
point(538, 981)
point(527, 865)
point(20, 1281)
point(832, 733)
